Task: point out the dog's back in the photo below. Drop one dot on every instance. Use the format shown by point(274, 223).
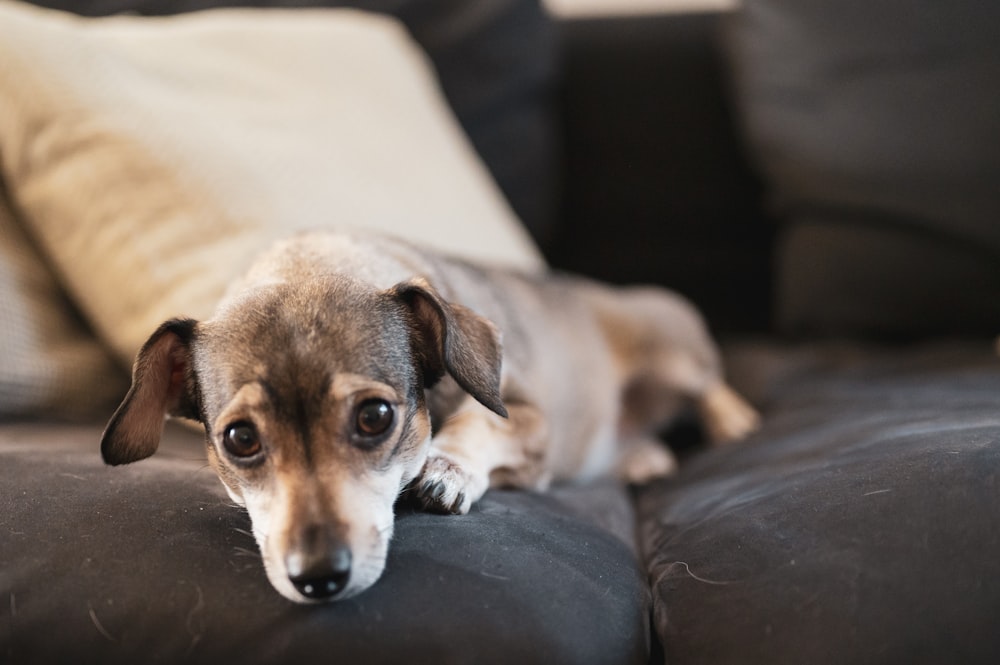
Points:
point(601, 363)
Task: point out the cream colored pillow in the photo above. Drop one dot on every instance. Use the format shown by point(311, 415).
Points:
point(153, 157)
point(51, 367)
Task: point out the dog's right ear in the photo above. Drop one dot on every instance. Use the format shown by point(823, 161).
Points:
point(163, 384)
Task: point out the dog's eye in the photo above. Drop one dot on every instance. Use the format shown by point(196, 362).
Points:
point(241, 440)
point(374, 417)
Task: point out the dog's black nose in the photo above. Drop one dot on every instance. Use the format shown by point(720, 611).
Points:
point(320, 577)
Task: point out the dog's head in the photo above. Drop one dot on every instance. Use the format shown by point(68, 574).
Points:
point(312, 398)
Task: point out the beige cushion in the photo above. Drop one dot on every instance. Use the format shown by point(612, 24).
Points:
point(50, 365)
point(152, 157)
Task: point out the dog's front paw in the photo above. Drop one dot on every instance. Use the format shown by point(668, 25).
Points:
point(445, 486)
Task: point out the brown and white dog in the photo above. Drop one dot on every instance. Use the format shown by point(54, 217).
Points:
point(344, 369)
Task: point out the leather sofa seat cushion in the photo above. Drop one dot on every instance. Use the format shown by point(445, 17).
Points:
point(858, 526)
point(149, 563)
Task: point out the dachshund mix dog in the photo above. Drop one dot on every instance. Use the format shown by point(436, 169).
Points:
point(344, 369)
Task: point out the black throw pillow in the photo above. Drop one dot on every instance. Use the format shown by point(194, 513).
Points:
point(876, 126)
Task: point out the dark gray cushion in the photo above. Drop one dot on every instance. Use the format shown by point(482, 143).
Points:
point(876, 126)
point(859, 526)
point(149, 564)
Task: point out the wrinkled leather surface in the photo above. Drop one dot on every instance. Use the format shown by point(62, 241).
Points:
point(860, 525)
point(150, 564)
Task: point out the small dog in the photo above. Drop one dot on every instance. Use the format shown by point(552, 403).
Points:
point(345, 368)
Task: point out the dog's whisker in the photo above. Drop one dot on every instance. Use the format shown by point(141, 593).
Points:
point(369, 560)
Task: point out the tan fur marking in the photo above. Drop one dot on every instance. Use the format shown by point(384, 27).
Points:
point(346, 385)
point(726, 415)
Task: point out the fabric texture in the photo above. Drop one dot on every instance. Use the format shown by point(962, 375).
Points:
point(858, 526)
point(150, 564)
point(152, 158)
point(51, 366)
point(875, 126)
point(497, 64)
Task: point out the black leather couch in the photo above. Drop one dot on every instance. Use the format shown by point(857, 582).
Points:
point(822, 180)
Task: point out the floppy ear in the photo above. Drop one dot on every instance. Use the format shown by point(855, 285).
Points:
point(454, 339)
point(162, 384)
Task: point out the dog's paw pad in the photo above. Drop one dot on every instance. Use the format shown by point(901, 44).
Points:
point(444, 486)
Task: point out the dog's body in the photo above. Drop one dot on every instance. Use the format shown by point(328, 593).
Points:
point(344, 369)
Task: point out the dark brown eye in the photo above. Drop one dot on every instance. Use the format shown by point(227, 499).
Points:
point(374, 417)
point(241, 440)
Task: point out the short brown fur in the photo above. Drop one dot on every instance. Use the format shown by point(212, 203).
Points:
point(323, 374)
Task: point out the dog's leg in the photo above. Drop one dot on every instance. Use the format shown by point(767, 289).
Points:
point(645, 459)
point(475, 447)
point(664, 340)
point(727, 416)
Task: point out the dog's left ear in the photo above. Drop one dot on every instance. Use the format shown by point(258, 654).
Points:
point(451, 338)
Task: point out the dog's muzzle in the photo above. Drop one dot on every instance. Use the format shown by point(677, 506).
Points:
point(321, 568)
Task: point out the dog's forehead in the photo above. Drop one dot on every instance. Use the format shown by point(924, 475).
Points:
point(304, 334)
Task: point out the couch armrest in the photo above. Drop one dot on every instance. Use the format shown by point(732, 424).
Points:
point(656, 187)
